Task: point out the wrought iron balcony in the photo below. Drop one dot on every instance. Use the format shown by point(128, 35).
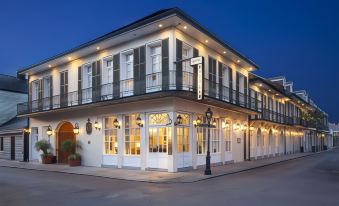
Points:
point(130, 87)
point(272, 116)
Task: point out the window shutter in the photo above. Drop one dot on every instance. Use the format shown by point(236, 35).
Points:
point(116, 76)
point(165, 64)
point(79, 85)
point(51, 92)
point(237, 87)
point(97, 86)
point(230, 76)
point(220, 70)
point(246, 92)
point(195, 70)
point(30, 96)
point(136, 69)
point(212, 82)
point(256, 100)
point(139, 73)
point(178, 64)
point(40, 95)
point(62, 90)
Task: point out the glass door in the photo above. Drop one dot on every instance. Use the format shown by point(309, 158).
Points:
point(158, 147)
point(183, 148)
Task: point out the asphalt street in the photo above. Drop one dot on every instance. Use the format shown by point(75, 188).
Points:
point(312, 180)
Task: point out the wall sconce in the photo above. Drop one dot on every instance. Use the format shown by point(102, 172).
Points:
point(27, 130)
point(76, 128)
point(225, 124)
point(97, 126)
point(197, 122)
point(236, 126)
point(49, 131)
point(139, 121)
point(116, 124)
point(214, 122)
point(179, 120)
point(244, 127)
point(252, 128)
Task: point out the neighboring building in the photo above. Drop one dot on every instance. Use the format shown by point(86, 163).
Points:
point(12, 137)
point(280, 128)
point(334, 128)
point(136, 90)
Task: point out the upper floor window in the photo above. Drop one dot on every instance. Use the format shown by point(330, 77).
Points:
point(87, 76)
point(187, 52)
point(47, 87)
point(156, 59)
point(35, 90)
point(129, 66)
point(107, 72)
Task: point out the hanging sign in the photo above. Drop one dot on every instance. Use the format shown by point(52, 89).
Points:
point(200, 78)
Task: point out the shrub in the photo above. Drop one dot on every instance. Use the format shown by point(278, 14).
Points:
point(44, 146)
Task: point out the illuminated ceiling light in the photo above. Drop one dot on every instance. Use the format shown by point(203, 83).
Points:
point(260, 85)
point(206, 41)
point(269, 90)
point(49, 66)
point(69, 58)
point(98, 48)
point(303, 104)
point(160, 25)
point(277, 94)
point(238, 61)
point(224, 52)
point(250, 69)
point(185, 27)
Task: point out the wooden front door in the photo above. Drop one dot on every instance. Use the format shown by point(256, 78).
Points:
point(65, 132)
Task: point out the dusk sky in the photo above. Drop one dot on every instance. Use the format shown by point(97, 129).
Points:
point(297, 39)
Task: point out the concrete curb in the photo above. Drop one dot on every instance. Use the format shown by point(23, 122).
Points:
point(173, 181)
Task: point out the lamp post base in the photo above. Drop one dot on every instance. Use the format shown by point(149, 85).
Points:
point(208, 164)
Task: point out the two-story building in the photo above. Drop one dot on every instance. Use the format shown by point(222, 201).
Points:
point(136, 88)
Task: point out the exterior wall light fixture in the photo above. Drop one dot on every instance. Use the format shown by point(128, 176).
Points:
point(97, 126)
point(27, 130)
point(196, 123)
point(49, 131)
point(116, 124)
point(76, 128)
point(179, 120)
point(139, 121)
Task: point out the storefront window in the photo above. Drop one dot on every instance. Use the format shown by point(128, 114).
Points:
point(227, 133)
point(160, 138)
point(202, 139)
point(132, 135)
point(111, 137)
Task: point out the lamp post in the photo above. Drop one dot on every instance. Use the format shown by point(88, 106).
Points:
point(209, 115)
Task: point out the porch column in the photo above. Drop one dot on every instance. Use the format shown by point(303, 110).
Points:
point(222, 141)
point(143, 142)
point(172, 159)
point(120, 140)
point(194, 142)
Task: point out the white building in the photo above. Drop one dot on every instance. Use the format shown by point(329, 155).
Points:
point(136, 90)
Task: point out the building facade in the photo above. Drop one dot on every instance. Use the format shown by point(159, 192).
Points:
point(134, 96)
point(12, 136)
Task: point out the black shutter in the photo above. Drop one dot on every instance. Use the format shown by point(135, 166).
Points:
point(116, 76)
point(136, 69)
point(246, 92)
point(66, 89)
point(212, 81)
point(29, 96)
point(96, 86)
point(40, 95)
point(256, 100)
point(179, 64)
point(165, 64)
point(50, 92)
point(237, 87)
point(62, 90)
point(142, 70)
point(221, 87)
point(195, 70)
point(230, 76)
point(79, 85)
point(249, 103)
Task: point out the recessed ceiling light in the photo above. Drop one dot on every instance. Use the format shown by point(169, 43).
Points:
point(260, 85)
point(250, 69)
point(238, 61)
point(98, 48)
point(185, 27)
point(224, 52)
point(49, 66)
point(160, 25)
point(206, 40)
point(69, 58)
point(269, 90)
point(277, 94)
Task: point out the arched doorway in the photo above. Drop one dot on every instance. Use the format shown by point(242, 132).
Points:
point(64, 132)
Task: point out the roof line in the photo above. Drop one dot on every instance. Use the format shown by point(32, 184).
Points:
point(150, 18)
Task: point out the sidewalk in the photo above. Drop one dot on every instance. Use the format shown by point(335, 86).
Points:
point(153, 176)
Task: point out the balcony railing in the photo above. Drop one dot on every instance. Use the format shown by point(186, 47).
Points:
point(129, 87)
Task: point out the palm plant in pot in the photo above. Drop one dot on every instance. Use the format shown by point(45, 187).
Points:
point(44, 146)
point(72, 148)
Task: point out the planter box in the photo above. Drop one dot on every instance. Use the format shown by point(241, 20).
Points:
point(74, 163)
point(47, 159)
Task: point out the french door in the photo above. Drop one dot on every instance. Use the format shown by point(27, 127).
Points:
point(184, 152)
point(158, 147)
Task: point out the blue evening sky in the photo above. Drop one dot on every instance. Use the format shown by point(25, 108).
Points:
point(298, 39)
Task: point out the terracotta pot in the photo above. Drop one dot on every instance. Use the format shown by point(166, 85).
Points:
point(74, 163)
point(48, 159)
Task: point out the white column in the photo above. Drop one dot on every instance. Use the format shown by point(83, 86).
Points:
point(222, 141)
point(120, 141)
point(172, 159)
point(143, 142)
point(194, 142)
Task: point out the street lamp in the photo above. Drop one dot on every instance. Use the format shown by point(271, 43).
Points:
point(209, 115)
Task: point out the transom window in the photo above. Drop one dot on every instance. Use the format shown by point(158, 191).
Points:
point(158, 119)
point(111, 137)
point(132, 135)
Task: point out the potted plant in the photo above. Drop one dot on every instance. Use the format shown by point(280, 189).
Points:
point(74, 159)
point(44, 146)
